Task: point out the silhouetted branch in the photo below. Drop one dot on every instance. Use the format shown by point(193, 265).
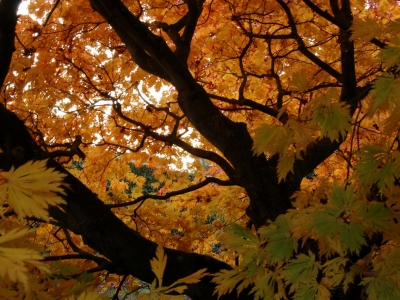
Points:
point(175, 193)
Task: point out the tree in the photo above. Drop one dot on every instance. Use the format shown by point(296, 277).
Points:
point(293, 104)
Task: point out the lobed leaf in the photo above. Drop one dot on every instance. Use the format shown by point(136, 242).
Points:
point(158, 264)
point(376, 216)
point(281, 244)
point(382, 288)
point(302, 269)
point(365, 29)
point(31, 188)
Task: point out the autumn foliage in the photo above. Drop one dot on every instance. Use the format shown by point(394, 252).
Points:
point(202, 149)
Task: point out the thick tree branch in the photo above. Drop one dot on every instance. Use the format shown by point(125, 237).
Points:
point(8, 21)
point(232, 139)
point(183, 45)
point(100, 229)
point(128, 28)
point(73, 149)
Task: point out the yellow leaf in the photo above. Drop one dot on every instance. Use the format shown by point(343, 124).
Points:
point(31, 188)
point(366, 29)
point(193, 278)
point(158, 264)
point(285, 164)
point(13, 261)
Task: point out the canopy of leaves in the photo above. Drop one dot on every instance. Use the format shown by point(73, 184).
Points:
point(256, 141)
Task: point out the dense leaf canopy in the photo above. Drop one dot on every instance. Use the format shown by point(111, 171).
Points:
point(256, 141)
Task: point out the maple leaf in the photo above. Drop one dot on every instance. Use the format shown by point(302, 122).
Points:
point(191, 279)
point(390, 55)
point(271, 138)
point(376, 216)
point(302, 269)
point(333, 118)
point(326, 224)
point(266, 286)
point(31, 188)
point(384, 93)
point(299, 82)
point(285, 164)
point(281, 243)
point(352, 236)
point(312, 291)
point(227, 280)
point(14, 260)
point(335, 267)
point(366, 29)
point(377, 165)
point(188, 94)
point(237, 237)
point(158, 264)
point(381, 287)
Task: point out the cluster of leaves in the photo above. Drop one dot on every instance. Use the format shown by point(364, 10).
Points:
point(336, 220)
point(338, 230)
point(29, 190)
point(71, 75)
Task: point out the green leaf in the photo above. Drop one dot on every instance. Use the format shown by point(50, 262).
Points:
point(306, 292)
point(377, 165)
point(299, 82)
point(226, 281)
point(352, 237)
point(61, 268)
point(272, 139)
point(390, 55)
point(382, 288)
point(281, 243)
point(237, 236)
point(312, 291)
point(246, 244)
point(302, 269)
point(341, 198)
point(324, 223)
point(285, 164)
point(388, 260)
point(264, 287)
point(385, 93)
point(333, 119)
point(376, 216)
point(365, 29)
point(334, 266)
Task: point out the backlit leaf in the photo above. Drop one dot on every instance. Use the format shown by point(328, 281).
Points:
point(280, 242)
point(302, 269)
point(31, 188)
point(366, 29)
point(158, 264)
